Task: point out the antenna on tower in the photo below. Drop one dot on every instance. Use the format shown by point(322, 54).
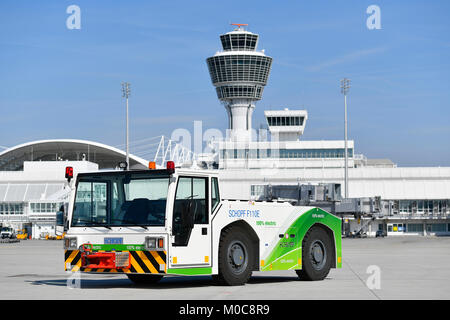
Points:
point(239, 25)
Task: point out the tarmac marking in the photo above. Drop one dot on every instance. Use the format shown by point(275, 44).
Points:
point(362, 280)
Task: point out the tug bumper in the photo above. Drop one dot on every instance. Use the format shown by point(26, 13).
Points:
point(141, 262)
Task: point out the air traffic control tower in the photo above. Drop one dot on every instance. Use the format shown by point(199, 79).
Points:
point(239, 73)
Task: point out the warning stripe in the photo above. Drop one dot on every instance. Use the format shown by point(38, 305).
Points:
point(72, 257)
point(147, 261)
point(162, 254)
point(67, 254)
point(77, 260)
point(136, 262)
point(157, 257)
point(143, 262)
point(131, 269)
point(151, 257)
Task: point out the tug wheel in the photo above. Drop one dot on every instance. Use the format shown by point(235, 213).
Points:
point(316, 255)
point(236, 254)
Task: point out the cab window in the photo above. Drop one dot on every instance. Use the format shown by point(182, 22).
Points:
point(215, 197)
point(190, 207)
point(90, 204)
point(192, 193)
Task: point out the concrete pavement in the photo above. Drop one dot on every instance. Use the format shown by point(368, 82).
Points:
point(410, 268)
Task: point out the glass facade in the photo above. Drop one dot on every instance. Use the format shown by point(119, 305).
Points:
point(49, 207)
point(438, 227)
point(239, 42)
point(240, 91)
point(11, 208)
point(424, 206)
point(244, 68)
point(284, 153)
point(415, 227)
point(285, 121)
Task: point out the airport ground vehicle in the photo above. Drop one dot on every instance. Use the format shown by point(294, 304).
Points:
point(22, 234)
point(8, 233)
point(380, 233)
point(152, 223)
point(56, 237)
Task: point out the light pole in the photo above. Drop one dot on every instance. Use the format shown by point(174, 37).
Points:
point(126, 94)
point(345, 86)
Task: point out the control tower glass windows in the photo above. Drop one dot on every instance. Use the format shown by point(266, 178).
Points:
point(239, 91)
point(285, 121)
point(239, 42)
point(239, 68)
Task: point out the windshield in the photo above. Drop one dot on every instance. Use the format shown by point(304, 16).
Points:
point(121, 199)
point(6, 229)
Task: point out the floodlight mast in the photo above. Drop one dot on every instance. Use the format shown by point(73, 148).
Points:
point(126, 93)
point(345, 86)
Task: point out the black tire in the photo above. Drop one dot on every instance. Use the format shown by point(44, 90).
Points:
point(143, 279)
point(236, 257)
point(317, 255)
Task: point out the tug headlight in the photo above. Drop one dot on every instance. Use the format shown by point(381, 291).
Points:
point(153, 243)
point(70, 243)
point(150, 243)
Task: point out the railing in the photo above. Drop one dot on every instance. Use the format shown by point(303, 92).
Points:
point(443, 215)
point(169, 150)
point(161, 149)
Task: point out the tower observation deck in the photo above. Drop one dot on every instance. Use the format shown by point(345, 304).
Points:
point(239, 73)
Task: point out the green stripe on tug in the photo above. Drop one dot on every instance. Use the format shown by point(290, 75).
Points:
point(190, 271)
point(287, 254)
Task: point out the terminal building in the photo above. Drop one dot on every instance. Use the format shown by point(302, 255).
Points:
point(252, 164)
point(32, 179)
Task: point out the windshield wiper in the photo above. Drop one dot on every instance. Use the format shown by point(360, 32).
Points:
point(92, 224)
point(131, 222)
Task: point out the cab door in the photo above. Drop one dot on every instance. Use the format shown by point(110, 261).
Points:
point(191, 231)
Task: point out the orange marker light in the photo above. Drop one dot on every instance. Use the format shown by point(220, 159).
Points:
point(152, 165)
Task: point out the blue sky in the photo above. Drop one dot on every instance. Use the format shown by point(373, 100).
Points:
point(61, 83)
